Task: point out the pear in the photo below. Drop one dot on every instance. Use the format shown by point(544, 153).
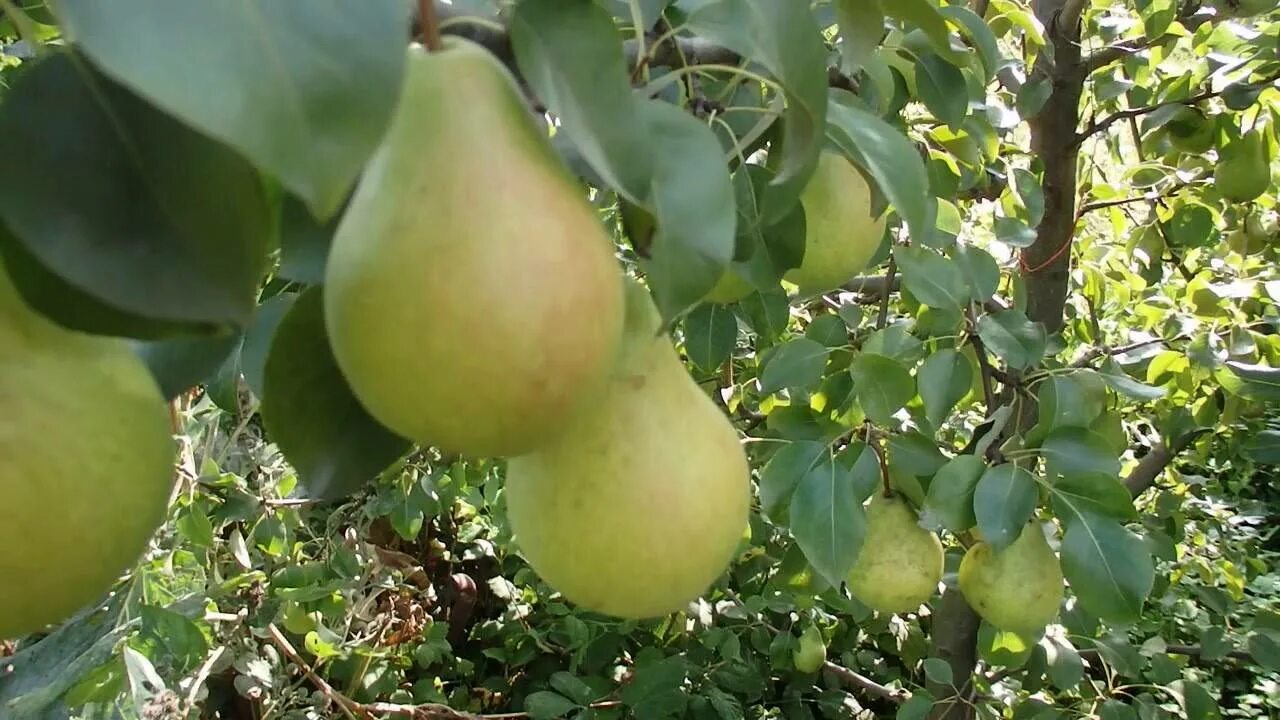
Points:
point(86, 460)
point(729, 289)
point(811, 654)
point(1017, 589)
point(900, 564)
point(1243, 171)
point(841, 233)
point(472, 297)
point(640, 504)
point(1190, 131)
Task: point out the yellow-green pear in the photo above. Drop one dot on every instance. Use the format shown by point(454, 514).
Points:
point(472, 297)
point(86, 462)
point(841, 232)
point(1243, 171)
point(1017, 589)
point(1190, 131)
point(811, 653)
point(640, 504)
point(900, 564)
point(729, 289)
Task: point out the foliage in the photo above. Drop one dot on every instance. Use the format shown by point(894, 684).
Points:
point(1069, 321)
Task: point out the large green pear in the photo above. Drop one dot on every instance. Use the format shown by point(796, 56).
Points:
point(841, 232)
point(86, 465)
point(472, 297)
point(900, 564)
point(639, 505)
point(1243, 171)
point(1017, 589)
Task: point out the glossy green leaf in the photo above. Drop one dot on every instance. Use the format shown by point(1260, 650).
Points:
point(943, 379)
point(1075, 451)
point(861, 27)
point(710, 333)
point(1010, 335)
point(980, 271)
point(1003, 502)
point(942, 88)
point(263, 82)
point(181, 363)
point(827, 520)
point(882, 385)
point(546, 705)
point(934, 280)
point(926, 16)
point(913, 453)
point(257, 340)
point(1098, 493)
point(1109, 568)
point(780, 475)
point(949, 502)
point(1120, 381)
point(125, 203)
point(796, 363)
point(311, 413)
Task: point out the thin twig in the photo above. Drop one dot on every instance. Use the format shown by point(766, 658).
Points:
point(1102, 124)
point(984, 364)
point(883, 318)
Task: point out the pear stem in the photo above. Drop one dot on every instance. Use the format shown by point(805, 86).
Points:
point(429, 25)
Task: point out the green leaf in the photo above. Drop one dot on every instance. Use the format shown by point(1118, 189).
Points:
point(1253, 382)
point(882, 385)
point(949, 502)
point(1003, 501)
point(785, 40)
point(887, 155)
point(1109, 568)
point(1014, 232)
point(1120, 381)
point(1213, 643)
point(266, 81)
point(942, 88)
point(1066, 670)
point(692, 195)
point(926, 16)
point(257, 340)
point(915, 454)
point(829, 330)
point(827, 519)
point(1065, 402)
point(774, 246)
point(980, 35)
point(1116, 710)
point(1265, 650)
point(1030, 194)
point(181, 363)
point(1264, 447)
point(304, 242)
point(710, 333)
point(1196, 702)
point(861, 27)
point(943, 379)
point(1003, 648)
point(569, 54)
point(768, 313)
point(1010, 335)
point(656, 689)
point(917, 707)
point(1032, 96)
point(1074, 451)
point(311, 413)
point(797, 363)
point(934, 280)
point(938, 671)
point(980, 271)
point(180, 637)
point(127, 204)
point(780, 475)
point(1097, 493)
point(546, 705)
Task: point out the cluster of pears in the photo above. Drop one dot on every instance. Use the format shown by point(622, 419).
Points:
point(1017, 589)
point(474, 304)
point(842, 232)
point(86, 465)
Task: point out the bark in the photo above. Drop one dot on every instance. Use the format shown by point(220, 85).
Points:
point(954, 639)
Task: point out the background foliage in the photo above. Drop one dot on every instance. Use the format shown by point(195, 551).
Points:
point(1068, 320)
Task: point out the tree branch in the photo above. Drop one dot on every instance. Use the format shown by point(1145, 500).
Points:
point(1154, 462)
point(866, 684)
point(1102, 124)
